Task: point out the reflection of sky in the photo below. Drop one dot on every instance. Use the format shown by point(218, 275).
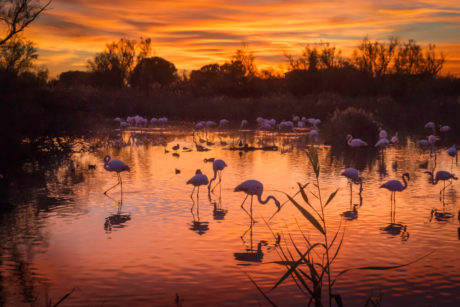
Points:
point(195, 33)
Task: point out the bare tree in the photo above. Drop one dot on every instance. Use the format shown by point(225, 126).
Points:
point(16, 15)
point(17, 55)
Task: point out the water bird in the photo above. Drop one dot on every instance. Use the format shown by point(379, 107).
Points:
point(430, 125)
point(217, 166)
point(444, 128)
point(394, 138)
point(395, 186)
point(382, 143)
point(440, 216)
point(351, 214)
point(206, 160)
point(224, 123)
point(175, 154)
point(355, 142)
point(251, 188)
point(198, 180)
point(452, 151)
point(352, 175)
point(244, 123)
point(383, 134)
point(115, 166)
point(91, 166)
point(250, 254)
point(443, 176)
point(176, 147)
point(177, 171)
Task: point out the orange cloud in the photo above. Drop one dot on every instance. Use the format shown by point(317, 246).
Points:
point(195, 33)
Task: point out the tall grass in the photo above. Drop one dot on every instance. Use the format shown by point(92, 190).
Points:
point(313, 269)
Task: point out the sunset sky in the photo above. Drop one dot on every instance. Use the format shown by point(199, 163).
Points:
point(194, 33)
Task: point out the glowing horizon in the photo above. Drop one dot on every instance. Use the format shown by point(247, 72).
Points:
point(192, 34)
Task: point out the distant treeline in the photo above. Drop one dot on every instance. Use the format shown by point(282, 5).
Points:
point(398, 82)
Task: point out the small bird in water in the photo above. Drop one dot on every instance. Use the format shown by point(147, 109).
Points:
point(177, 171)
point(91, 166)
point(176, 147)
point(175, 154)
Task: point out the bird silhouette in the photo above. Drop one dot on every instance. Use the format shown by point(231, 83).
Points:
point(217, 166)
point(355, 142)
point(395, 186)
point(443, 176)
point(115, 166)
point(352, 175)
point(198, 180)
point(251, 188)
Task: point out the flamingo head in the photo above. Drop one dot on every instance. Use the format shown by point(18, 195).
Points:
point(406, 175)
point(198, 172)
point(349, 136)
point(107, 158)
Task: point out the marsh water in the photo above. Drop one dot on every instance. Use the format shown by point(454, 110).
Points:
point(152, 244)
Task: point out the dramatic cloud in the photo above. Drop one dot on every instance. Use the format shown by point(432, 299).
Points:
point(195, 33)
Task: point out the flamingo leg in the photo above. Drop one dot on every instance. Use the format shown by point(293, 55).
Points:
point(242, 207)
point(191, 195)
point(351, 194)
point(119, 182)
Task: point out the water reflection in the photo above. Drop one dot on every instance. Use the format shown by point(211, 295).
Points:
point(118, 219)
point(200, 227)
point(218, 211)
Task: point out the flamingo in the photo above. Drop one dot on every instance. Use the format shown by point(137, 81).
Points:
point(382, 134)
point(441, 175)
point(218, 166)
point(430, 125)
point(352, 175)
point(355, 142)
point(224, 123)
point(382, 143)
point(115, 166)
point(244, 123)
point(444, 128)
point(198, 180)
point(254, 187)
point(395, 186)
point(452, 151)
point(394, 138)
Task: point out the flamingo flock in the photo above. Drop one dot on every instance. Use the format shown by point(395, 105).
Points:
point(255, 188)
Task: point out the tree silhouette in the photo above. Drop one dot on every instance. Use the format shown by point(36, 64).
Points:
point(16, 15)
point(153, 70)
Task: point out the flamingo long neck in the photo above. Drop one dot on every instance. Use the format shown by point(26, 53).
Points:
point(433, 181)
point(263, 202)
point(212, 179)
point(405, 182)
point(349, 138)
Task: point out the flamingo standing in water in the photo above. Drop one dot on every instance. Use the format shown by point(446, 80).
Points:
point(441, 175)
point(254, 187)
point(395, 186)
point(452, 151)
point(115, 166)
point(217, 166)
point(355, 142)
point(198, 180)
point(352, 175)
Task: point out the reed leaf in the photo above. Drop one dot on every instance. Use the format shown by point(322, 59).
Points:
point(331, 197)
point(307, 215)
point(260, 290)
point(295, 265)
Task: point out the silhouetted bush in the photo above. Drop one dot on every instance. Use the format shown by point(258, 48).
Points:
point(357, 122)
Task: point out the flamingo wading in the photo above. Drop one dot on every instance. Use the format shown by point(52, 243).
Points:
point(395, 186)
point(115, 166)
point(254, 187)
point(217, 166)
point(198, 180)
point(441, 175)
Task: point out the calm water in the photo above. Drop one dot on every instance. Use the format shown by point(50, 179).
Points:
point(146, 245)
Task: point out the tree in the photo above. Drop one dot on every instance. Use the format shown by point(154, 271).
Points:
point(153, 70)
point(16, 15)
point(113, 66)
point(17, 56)
point(245, 59)
point(374, 58)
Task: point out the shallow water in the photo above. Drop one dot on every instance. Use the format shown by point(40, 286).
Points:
point(146, 245)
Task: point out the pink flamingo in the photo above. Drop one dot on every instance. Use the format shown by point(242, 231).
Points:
point(198, 180)
point(115, 166)
point(254, 187)
point(217, 166)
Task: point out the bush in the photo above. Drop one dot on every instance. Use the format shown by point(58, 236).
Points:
point(356, 122)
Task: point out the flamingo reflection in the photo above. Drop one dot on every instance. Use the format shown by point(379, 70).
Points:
point(116, 220)
point(218, 211)
point(198, 226)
